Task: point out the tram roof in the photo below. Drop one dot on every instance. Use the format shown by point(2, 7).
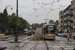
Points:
point(48, 24)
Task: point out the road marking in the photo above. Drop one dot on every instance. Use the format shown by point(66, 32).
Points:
point(61, 42)
point(20, 40)
point(3, 41)
point(31, 41)
point(48, 41)
point(25, 41)
point(40, 41)
point(56, 46)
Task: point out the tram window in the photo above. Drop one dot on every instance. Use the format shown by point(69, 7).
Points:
point(43, 31)
point(50, 28)
point(46, 31)
point(52, 31)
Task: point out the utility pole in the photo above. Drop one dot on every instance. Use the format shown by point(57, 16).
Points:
point(16, 33)
point(6, 23)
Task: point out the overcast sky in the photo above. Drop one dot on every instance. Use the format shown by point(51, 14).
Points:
point(35, 11)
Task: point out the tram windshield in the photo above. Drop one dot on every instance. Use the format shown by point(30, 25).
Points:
point(51, 30)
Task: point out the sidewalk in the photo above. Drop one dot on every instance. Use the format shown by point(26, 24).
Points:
point(72, 39)
point(10, 46)
point(2, 37)
point(19, 39)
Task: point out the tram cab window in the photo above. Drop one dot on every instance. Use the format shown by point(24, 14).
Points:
point(51, 30)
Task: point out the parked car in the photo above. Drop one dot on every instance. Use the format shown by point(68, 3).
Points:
point(64, 34)
point(26, 31)
point(59, 34)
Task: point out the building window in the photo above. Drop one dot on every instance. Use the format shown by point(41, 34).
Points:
point(74, 29)
point(74, 10)
point(74, 16)
point(74, 23)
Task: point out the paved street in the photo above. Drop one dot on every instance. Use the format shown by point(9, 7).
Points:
point(25, 44)
point(37, 25)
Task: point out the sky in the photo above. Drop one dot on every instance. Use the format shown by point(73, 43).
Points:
point(36, 11)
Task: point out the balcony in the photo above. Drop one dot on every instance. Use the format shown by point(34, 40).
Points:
point(68, 23)
point(60, 19)
point(71, 8)
point(70, 14)
point(65, 24)
point(66, 18)
point(74, 17)
point(61, 16)
point(61, 25)
point(71, 24)
point(66, 12)
point(71, 18)
point(65, 30)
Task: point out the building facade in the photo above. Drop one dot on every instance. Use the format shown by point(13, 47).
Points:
point(73, 7)
point(67, 19)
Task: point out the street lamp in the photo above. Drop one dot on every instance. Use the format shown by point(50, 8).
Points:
point(16, 33)
point(9, 6)
point(7, 18)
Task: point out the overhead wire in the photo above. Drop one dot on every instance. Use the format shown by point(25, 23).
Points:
point(35, 9)
point(40, 7)
point(43, 8)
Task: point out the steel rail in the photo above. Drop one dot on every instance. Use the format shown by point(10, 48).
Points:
point(35, 44)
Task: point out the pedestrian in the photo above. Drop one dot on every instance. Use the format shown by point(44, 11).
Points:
point(33, 32)
point(68, 36)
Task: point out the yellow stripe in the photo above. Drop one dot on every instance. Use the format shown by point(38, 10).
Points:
point(1, 34)
point(50, 34)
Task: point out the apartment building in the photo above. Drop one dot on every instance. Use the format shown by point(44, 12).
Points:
point(67, 19)
point(73, 7)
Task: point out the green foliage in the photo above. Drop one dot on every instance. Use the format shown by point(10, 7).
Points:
point(51, 21)
point(10, 21)
point(34, 26)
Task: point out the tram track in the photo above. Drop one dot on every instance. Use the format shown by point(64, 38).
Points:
point(46, 45)
point(25, 44)
point(35, 45)
point(32, 48)
point(58, 45)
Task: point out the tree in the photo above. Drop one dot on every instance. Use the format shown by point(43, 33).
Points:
point(2, 22)
point(41, 25)
point(56, 24)
point(1, 18)
point(51, 21)
point(12, 22)
point(5, 14)
point(22, 23)
point(35, 25)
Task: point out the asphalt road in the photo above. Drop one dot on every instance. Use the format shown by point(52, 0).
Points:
point(59, 44)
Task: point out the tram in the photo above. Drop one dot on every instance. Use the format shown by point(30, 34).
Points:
point(48, 31)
